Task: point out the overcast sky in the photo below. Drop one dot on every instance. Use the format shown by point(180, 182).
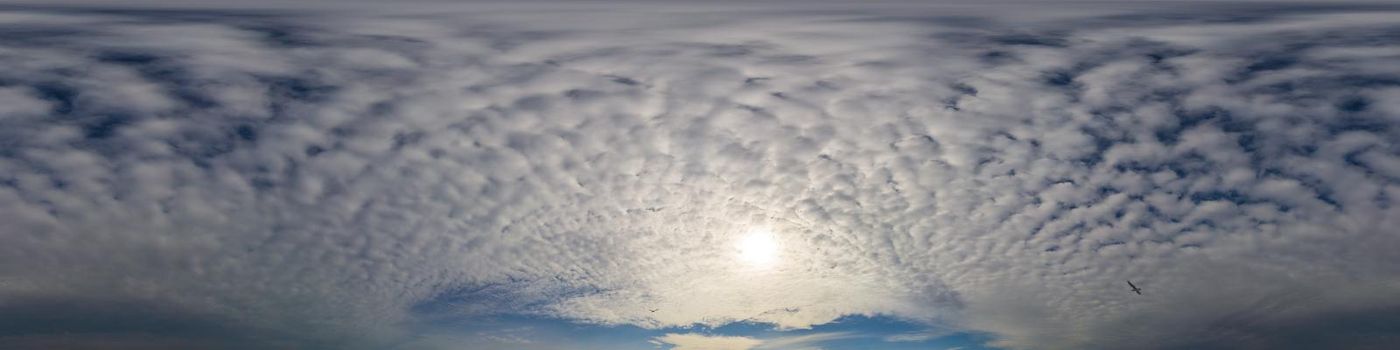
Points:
point(540, 175)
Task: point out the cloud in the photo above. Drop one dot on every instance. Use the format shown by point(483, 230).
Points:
point(912, 337)
point(517, 335)
point(704, 342)
point(680, 341)
point(805, 341)
point(310, 178)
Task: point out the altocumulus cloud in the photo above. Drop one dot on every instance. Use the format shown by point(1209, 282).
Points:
point(315, 178)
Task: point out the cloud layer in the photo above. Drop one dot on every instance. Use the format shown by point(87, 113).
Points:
point(706, 342)
point(344, 179)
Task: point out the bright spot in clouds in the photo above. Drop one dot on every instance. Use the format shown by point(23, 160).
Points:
point(758, 248)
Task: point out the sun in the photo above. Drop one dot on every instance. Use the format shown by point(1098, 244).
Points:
point(758, 248)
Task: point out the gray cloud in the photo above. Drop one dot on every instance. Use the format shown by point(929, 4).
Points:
point(342, 179)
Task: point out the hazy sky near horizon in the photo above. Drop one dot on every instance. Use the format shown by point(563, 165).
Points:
point(624, 175)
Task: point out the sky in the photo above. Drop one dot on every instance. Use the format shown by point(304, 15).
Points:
point(699, 176)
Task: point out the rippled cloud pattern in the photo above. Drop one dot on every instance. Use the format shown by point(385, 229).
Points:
point(343, 179)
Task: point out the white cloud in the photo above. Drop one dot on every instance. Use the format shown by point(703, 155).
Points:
point(914, 337)
point(806, 341)
point(334, 174)
point(682, 341)
point(705, 342)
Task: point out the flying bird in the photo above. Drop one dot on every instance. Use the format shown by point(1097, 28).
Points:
point(653, 310)
point(1135, 288)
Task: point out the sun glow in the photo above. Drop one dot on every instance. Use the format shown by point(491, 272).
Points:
point(758, 248)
